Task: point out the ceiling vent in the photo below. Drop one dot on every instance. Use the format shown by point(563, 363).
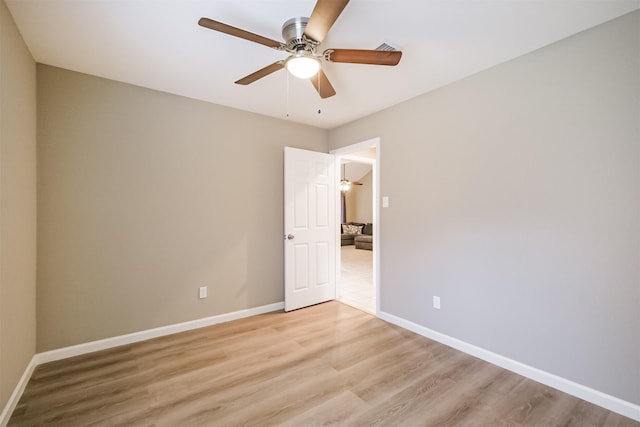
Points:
point(386, 47)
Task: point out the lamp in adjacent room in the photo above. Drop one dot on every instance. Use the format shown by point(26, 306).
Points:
point(345, 184)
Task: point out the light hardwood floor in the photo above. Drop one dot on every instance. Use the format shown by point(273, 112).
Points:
point(326, 364)
point(356, 278)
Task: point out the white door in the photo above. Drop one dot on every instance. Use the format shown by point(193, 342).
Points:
point(309, 228)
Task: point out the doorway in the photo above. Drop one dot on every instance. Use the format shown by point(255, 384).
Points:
point(357, 256)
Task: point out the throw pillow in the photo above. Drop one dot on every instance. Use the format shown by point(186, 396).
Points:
point(368, 229)
point(351, 229)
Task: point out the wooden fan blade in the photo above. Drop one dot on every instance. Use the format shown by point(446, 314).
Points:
point(362, 56)
point(263, 72)
point(322, 18)
point(322, 85)
point(237, 32)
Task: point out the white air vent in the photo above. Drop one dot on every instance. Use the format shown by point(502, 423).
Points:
point(386, 46)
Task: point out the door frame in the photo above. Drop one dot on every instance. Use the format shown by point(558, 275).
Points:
point(341, 153)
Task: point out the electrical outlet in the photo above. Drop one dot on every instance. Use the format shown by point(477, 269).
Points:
point(202, 292)
point(436, 303)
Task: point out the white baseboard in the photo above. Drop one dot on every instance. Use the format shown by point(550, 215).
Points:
point(596, 397)
point(90, 347)
point(17, 392)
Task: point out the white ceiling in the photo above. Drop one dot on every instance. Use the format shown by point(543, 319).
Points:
point(157, 44)
point(353, 171)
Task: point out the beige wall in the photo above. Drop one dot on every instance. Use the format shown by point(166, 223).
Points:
point(359, 200)
point(17, 205)
point(515, 197)
point(144, 197)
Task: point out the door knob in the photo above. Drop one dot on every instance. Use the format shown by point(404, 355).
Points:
point(290, 236)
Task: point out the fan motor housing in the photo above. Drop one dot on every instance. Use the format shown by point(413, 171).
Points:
point(293, 34)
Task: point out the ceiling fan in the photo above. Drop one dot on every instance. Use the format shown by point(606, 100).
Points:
point(345, 184)
point(302, 39)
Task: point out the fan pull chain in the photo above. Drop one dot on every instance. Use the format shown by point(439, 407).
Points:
point(319, 89)
point(287, 94)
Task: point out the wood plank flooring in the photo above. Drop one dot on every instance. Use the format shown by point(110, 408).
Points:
point(328, 364)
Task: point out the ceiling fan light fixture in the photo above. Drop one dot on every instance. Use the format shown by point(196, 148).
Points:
point(302, 66)
point(302, 38)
